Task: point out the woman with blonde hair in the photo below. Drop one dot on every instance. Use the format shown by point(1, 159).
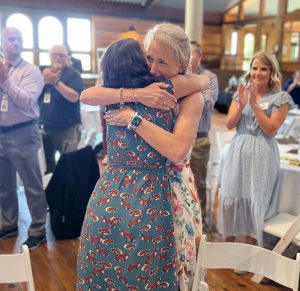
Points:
point(249, 186)
point(168, 53)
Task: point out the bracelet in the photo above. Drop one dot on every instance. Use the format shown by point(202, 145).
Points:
point(135, 121)
point(121, 100)
point(133, 97)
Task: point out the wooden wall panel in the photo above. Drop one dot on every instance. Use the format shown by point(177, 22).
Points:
point(108, 28)
point(212, 46)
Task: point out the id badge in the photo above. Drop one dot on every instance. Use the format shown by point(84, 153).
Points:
point(47, 97)
point(4, 105)
point(264, 106)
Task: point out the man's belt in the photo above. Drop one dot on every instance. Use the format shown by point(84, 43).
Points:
point(6, 129)
point(202, 134)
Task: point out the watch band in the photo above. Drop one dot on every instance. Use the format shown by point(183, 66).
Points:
point(135, 121)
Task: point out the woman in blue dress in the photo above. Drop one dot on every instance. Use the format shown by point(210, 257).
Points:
point(249, 187)
point(127, 240)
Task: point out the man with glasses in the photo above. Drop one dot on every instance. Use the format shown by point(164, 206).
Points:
point(20, 86)
point(60, 106)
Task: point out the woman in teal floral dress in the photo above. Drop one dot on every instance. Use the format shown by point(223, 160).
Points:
point(168, 62)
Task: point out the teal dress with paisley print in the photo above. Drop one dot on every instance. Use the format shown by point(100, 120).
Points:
point(127, 240)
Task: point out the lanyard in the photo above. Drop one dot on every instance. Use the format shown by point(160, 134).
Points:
point(10, 72)
point(12, 69)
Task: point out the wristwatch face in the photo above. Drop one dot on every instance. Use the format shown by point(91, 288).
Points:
point(136, 121)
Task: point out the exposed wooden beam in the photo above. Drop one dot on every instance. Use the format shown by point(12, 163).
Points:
point(151, 4)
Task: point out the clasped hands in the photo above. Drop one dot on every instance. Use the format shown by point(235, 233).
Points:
point(51, 76)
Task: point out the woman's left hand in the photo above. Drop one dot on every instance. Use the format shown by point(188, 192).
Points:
point(119, 117)
point(253, 94)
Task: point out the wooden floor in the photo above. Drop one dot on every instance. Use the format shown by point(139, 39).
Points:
point(54, 263)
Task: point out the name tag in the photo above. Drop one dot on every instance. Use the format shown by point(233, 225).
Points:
point(4, 105)
point(264, 106)
point(47, 98)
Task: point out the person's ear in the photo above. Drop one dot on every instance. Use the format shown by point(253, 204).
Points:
point(181, 69)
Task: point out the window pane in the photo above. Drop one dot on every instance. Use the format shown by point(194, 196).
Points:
point(50, 32)
point(264, 42)
point(294, 52)
point(85, 61)
point(293, 5)
point(246, 65)
point(248, 45)
point(251, 8)
point(27, 56)
point(44, 59)
point(79, 34)
point(234, 38)
point(272, 7)
point(24, 24)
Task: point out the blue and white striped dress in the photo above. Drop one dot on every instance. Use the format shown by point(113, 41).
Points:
point(249, 187)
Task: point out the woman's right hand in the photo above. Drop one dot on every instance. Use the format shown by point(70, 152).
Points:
point(156, 96)
point(243, 96)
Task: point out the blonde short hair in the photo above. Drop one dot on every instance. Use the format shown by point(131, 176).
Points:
point(173, 42)
point(271, 62)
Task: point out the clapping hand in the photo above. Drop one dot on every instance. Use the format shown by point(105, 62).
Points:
point(253, 94)
point(3, 70)
point(243, 96)
point(297, 78)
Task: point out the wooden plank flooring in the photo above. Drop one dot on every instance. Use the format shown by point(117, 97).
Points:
point(54, 263)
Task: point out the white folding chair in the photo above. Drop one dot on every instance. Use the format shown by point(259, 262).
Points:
point(250, 258)
point(16, 268)
point(287, 228)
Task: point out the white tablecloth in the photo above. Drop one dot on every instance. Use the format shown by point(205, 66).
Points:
point(289, 197)
point(91, 125)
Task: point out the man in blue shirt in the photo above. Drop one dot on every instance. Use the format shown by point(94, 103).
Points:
point(60, 106)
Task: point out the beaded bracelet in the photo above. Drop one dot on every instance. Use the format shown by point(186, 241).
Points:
point(121, 100)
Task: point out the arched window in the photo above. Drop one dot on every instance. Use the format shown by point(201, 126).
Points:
point(50, 32)
point(248, 50)
point(24, 24)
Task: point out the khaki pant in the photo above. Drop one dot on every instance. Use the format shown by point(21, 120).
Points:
point(199, 162)
point(62, 140)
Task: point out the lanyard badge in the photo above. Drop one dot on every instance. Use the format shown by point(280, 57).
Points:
point(4, 103)
point(47, 98)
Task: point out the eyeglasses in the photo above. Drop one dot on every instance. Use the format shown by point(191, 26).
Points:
point(14, 39)
point(60, 55)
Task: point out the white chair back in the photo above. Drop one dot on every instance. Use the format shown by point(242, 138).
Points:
point(227, 255)
point(16, 268)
